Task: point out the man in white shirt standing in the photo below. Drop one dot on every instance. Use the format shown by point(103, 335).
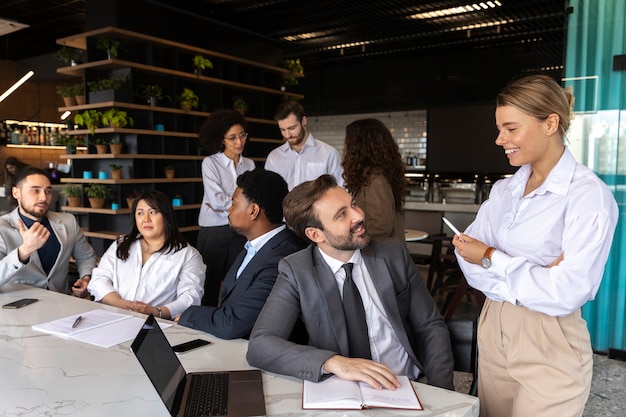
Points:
point(302, 157)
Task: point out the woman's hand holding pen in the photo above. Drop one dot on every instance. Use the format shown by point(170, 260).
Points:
point(470, 249)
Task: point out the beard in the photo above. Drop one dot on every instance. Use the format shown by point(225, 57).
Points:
point(35, 211)
point(350, 242)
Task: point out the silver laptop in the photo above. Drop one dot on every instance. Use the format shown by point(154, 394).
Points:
point(232, 393)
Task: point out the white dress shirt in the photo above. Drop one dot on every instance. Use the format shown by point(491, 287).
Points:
point(174, 280)
point(573, 212)
point(219, 177)
point(316, 158)
point(384, 344)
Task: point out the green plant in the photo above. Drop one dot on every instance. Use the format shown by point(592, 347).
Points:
point(169, 168)
point(201, 62)
point(112, 83)
point(64, 139)
point(115, 167)
point(97, 191)
point(116, 118)
point(78, 89)
point(240, 104)
point(188, 99)
point(101, 141)
point(90, 119)
point(67, 54)
point(65, 90)
point(296, 68)
point(111, 45)
point(72, 190)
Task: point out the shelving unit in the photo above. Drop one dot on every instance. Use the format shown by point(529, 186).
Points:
point(147, 60)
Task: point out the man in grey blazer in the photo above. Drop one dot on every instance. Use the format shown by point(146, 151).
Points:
point(406, 333)
point(256, 213)
point(36, 244)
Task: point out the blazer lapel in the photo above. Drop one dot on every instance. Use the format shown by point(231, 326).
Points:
point(331, 299)
point(34, 257)
point(230, 280)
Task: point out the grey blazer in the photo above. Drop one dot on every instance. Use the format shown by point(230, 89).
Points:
point(306, 288)
point(73, 243)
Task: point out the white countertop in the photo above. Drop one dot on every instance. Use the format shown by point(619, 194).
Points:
point(49, 375)
point(450, 207)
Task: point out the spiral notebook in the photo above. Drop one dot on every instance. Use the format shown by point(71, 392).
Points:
point(98, 327)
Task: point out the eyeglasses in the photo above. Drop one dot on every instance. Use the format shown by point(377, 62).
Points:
point(242, 136)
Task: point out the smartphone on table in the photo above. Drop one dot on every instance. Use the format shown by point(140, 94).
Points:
point(192, 344)
point(20, 303)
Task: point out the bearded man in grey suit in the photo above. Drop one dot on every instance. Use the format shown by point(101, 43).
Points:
point(36, 244)
point(406, 333)
point(256, 213)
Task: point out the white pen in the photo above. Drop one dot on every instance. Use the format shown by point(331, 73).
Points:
point(454, 229)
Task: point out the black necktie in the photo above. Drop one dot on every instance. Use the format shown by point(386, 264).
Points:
point(356, 323)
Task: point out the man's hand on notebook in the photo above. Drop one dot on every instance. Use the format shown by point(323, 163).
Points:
point(355, 369)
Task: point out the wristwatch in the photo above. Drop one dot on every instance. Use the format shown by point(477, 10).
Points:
point(486, 259)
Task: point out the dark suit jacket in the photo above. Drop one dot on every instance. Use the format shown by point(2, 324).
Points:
point(243, 298)
point(306, 287)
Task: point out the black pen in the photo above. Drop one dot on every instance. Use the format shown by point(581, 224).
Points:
point(78, 319)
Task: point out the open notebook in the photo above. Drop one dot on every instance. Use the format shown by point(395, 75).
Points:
point(99, 327)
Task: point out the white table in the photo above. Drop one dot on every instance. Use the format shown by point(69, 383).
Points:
point(43, 374)
point(412, 235)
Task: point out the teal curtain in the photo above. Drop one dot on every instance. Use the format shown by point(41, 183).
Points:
point(595, 34)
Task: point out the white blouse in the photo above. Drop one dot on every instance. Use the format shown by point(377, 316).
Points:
point(174, 280)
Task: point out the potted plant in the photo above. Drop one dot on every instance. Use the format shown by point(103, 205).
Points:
point(68, 55)
point(152, 93)
point(116, 118)
point(91, 119)
point(110, 45)
point(108, 89)
point(79, 93)
point(188, 99)
point(116, 171)
point(116, 146)
point(102, 146)
point(97, 194)
point(132, 196)
point(169, 171)
point(70, 142)
point(201, 63)
point(297, 70)
point(67, 92)
point(240, 105)
point(73, 193)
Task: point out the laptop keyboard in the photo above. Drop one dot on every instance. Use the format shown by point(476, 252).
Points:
point(208, 395)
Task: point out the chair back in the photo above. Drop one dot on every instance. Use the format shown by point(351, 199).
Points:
point(464, 341)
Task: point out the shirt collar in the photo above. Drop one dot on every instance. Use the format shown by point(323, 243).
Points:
point(335, 264)
point(28, 222)
point(225, 161)
point(558, 180)
point(260, 241)
point(308, 143)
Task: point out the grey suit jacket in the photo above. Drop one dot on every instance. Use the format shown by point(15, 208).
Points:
point(243, 298)
point(73, 243)
point(307, 288)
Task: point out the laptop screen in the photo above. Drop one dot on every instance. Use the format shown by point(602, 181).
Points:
point(160, 362)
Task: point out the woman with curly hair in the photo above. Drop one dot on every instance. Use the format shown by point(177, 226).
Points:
point(374, 175)
point(223, 135)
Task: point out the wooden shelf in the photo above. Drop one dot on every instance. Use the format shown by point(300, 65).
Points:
point(77, 71)
point(132, 131)
point(79, 41)
point(97, 156)
point(129, 180)
point(120, 211)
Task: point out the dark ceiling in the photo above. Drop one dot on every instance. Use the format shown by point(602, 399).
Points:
point(330, 30)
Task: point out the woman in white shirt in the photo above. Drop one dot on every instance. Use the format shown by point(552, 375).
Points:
point(223, 135)
point(537, 250)
point(152, 269)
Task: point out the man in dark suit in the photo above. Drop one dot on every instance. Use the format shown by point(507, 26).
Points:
point(406, 333)
point(257, 214)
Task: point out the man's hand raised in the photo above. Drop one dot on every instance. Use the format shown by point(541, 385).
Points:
point(32, 239)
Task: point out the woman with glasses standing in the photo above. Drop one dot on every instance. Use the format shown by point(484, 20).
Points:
point(223, 135)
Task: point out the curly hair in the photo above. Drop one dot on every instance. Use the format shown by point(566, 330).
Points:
point(267, 189)
point(174, 240)
point(215, 126)
point(370, 148)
